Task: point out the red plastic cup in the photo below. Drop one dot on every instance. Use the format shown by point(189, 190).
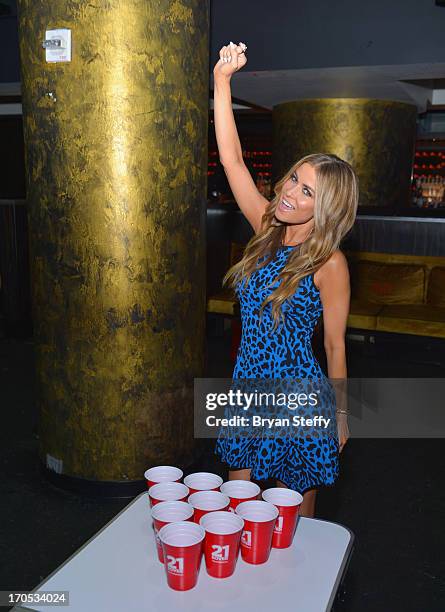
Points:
point(167, 491)
point(203, 481)
point(162, 473)
point(182, 545)
point(222, 542)
point(239, 491)
point(288, 504)
point(259, 521)
point(169, 512)
point(207, 501)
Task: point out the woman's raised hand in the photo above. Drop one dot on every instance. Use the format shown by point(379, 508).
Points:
point(231, 59)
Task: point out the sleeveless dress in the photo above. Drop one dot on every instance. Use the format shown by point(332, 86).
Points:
point(301, 462)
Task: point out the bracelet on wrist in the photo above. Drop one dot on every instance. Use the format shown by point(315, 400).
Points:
point(341, 411)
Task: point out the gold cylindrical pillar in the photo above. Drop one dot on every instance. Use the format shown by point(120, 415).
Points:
point(116, 151)
point(377, 137)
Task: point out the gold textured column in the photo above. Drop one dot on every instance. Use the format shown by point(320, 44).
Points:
point(116, 147)
point(376, 136)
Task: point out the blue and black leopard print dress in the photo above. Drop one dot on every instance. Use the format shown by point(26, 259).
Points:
point(301, 462)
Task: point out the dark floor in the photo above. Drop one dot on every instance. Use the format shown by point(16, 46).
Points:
point(390, 492)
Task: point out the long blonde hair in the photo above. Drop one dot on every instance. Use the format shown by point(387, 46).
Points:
point(335, 209)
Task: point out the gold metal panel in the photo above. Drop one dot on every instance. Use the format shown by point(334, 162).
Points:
point(436, 287)
point(418, 320)
point(116, 151)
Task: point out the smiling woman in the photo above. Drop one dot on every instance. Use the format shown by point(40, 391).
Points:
point(291, 273)
point(314, 207)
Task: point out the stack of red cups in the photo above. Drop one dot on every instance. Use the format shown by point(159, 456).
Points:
point(204, 516)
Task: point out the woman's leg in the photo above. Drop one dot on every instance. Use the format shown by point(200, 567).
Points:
point(239, 474)
point(307, 507)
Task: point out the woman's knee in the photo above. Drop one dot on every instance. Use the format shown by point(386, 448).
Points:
point(237, 474)
point(281, 484)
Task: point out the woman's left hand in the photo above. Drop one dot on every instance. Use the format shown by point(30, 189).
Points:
point(343, 430)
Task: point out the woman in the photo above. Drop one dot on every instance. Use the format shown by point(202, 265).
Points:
point(292, 271)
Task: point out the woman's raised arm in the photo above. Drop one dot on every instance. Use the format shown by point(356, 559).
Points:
point(251, 202)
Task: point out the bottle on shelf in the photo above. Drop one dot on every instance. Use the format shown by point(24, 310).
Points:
point(419, 194)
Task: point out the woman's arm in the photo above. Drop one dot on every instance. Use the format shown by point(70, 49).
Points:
point(335, 293)
point(229, 146)
point(249, 199)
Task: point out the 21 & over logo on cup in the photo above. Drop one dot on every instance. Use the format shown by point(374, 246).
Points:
point(279, 525)
point(220, 554)
point(246, 538)
point(175, 565)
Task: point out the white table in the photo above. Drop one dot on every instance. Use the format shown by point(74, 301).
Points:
point(117, 570)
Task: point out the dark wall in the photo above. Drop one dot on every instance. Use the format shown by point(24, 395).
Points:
point(12, 161)
point(9, 50)
point(226, 224)
point(292, 34)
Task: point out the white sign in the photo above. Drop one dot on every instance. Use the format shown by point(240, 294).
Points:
point(58, 45)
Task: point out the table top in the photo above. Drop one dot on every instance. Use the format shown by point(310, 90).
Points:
point(118, 570)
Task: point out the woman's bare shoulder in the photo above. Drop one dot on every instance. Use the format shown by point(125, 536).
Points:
point(336, 266)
